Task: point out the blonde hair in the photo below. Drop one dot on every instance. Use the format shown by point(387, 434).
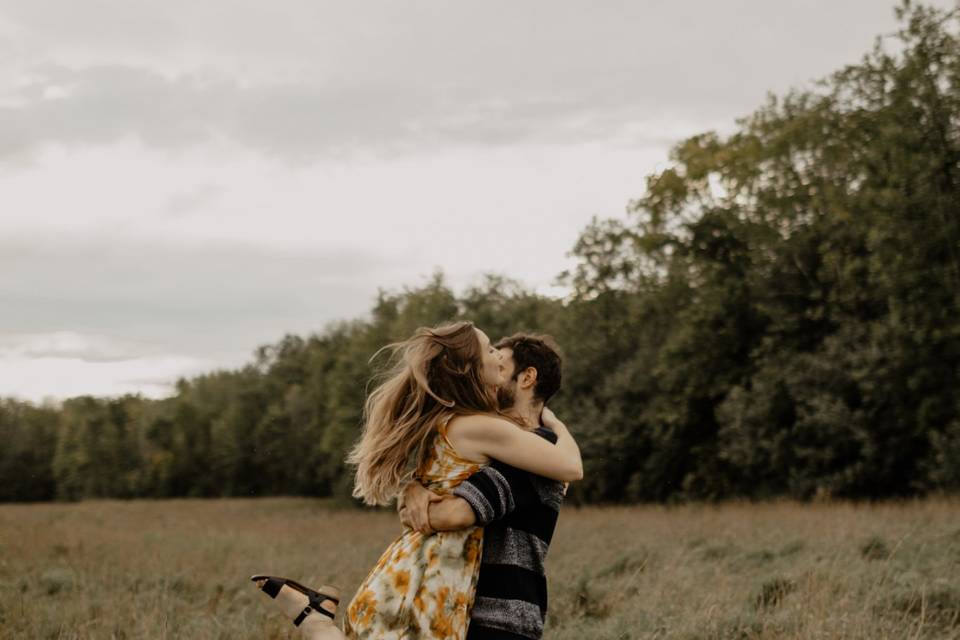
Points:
point(435, 373)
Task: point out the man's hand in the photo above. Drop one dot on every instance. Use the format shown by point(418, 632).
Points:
point(414, 507)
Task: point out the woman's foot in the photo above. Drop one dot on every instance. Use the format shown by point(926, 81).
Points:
point(316, 617)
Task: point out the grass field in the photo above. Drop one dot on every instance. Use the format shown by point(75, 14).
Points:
point(179, 568)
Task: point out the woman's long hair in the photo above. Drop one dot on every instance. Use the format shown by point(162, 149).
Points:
point(436, 372)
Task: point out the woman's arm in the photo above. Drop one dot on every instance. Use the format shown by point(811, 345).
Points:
point(491, 437)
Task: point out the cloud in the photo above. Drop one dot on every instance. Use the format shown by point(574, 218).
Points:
point(213, 301)
point(184, 203)
point(317, 79)
point(295, 122)
point(66, 344)
point(39, 379)
point(106, 316)
point(61, 364)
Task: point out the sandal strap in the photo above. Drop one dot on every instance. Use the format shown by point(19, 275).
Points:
point(272, 587)
point(307, 591)
point(303, 614)
point(307, 610)
point(316, 602)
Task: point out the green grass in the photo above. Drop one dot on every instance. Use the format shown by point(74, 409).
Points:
point(179, 568)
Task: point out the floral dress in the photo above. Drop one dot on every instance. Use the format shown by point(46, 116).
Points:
point(423, 586)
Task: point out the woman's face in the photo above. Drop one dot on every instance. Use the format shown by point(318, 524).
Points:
point(492, 361)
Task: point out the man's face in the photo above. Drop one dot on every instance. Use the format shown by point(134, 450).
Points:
point(507, 391)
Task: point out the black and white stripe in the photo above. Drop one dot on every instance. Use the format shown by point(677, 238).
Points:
point(489, 492)
point(525, 618)
point(519, 511)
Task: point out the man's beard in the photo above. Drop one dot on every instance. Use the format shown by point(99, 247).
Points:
point(506, 395)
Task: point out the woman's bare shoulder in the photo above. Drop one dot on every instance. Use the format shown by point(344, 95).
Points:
point(478, 424)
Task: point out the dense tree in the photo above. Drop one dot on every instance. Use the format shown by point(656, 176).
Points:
point(28, 435)
point(812, 258)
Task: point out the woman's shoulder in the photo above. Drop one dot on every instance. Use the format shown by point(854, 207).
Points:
point(477, 424)
point(473, 419)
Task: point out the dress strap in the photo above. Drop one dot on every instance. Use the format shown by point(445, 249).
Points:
point(443, 423)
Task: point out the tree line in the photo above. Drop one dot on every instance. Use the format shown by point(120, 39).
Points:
point(777, 315)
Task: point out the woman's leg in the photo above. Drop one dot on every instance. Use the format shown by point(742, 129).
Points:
point(315, 626)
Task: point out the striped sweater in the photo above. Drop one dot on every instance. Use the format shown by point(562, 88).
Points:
point(518, 511)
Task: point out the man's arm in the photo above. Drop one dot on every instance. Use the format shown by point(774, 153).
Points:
point(413, 504)
point(488, 495)
point(485, 496)
point(451, 514)
point(495, 491)
point(427, 512)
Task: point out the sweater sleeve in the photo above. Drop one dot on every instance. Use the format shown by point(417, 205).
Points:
point(495, 491)
point(489, 493)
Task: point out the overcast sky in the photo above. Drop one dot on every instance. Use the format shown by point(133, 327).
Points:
point(182, 181)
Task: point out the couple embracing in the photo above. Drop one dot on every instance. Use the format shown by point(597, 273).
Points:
point(488, 464)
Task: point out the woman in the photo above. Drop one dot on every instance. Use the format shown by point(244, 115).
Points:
point(437, 407)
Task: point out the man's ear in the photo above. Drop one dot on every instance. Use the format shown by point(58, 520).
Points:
point(529, 377)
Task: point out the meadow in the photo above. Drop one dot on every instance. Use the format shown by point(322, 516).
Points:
point(180, 568)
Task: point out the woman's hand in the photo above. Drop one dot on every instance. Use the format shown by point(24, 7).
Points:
point(549, 418)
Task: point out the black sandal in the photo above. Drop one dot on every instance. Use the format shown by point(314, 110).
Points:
point(272, 588)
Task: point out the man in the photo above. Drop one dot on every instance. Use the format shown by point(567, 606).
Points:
point(517, 509)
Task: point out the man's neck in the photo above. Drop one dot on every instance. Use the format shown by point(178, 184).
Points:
point(527, 412)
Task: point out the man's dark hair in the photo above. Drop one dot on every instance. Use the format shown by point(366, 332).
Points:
point(540, 352)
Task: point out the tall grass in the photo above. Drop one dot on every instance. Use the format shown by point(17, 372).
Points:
point(179, 568)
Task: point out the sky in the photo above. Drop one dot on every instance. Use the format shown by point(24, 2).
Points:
point(181, 182)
